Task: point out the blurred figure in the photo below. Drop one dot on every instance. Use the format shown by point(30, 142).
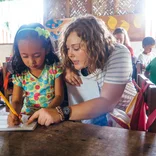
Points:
point(151, 71)
point(122, 37)
point(147, 55)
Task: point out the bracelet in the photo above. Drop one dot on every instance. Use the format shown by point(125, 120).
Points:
point(59, 110)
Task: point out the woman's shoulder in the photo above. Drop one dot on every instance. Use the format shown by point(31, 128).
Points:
point(120, 51)
point(120, 48)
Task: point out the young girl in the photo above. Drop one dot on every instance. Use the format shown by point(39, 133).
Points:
point(37, 74)
point(87, 44)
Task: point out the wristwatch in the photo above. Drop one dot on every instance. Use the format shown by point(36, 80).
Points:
point(66, 112)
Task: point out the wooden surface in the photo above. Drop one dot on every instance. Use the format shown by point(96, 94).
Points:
point(76, 139)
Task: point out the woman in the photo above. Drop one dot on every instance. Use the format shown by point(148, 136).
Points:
point(87, 44)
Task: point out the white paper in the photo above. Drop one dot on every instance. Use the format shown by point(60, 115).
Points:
point(87, 91)
point(22, 127)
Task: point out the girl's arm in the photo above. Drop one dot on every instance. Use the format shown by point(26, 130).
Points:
point(17, 98)
point(59, 93)
point(72, 78)
point(17, 102)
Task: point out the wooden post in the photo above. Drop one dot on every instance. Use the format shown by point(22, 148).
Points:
point(89, 6)
point(116, 2)
point(67, 8)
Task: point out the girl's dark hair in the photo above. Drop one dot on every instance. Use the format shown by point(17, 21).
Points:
point(99, 41)
point(27, 32)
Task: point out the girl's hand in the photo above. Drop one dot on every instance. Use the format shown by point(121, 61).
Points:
point(13, 120)
point(45, 116)
point(72, 78)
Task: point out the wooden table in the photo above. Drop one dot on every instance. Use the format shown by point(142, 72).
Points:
point(77, 139)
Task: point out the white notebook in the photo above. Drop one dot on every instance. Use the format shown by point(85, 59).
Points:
point(22, 127)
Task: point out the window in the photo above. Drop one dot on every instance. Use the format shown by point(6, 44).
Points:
point(150, 12)
point(16, 13)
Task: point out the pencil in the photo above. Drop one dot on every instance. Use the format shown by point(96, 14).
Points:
point(10, 106)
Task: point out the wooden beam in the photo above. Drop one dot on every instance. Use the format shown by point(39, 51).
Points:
point(67, 8)
point(116, 2)
point(89, 6)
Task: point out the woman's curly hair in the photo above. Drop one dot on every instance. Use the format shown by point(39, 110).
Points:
point(99, 41)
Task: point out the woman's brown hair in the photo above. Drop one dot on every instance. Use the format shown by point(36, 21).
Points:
point(99, 41)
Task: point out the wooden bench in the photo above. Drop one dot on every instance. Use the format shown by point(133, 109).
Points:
point(151, 100)
point(150, 97)
point(139, 68)
point(8, 91)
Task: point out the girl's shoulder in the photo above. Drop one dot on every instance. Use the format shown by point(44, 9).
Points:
point(54, 65)
point(54, 68)
point(24, 73)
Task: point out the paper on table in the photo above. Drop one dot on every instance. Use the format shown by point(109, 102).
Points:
point(22, 127)
point(88, 90)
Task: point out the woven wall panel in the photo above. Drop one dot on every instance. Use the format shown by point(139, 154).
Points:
point(54, 9)
point(116, 7)
point(78, 7)
point(129, 7)
point(102, 7)
point(57, 9)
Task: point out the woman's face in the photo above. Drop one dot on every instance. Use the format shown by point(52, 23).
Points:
point(119, 37)
point(77, 51)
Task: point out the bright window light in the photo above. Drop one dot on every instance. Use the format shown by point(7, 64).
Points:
point(16, 13)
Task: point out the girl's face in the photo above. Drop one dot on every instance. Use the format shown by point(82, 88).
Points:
point(32, 53)
point(77, 51)
point(119, 37)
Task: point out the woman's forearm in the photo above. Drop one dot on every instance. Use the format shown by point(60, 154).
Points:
point(91, 109)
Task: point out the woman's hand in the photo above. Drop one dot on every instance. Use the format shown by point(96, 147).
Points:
point(13, 120)
point(72, 78)
point(45, 116)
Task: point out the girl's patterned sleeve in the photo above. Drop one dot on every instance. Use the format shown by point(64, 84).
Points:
point(16, 80)
point(57, 70)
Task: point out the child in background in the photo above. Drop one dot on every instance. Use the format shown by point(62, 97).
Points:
point(147, 56)
point(122, 37)
point(151, 71)
point(37, 72)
